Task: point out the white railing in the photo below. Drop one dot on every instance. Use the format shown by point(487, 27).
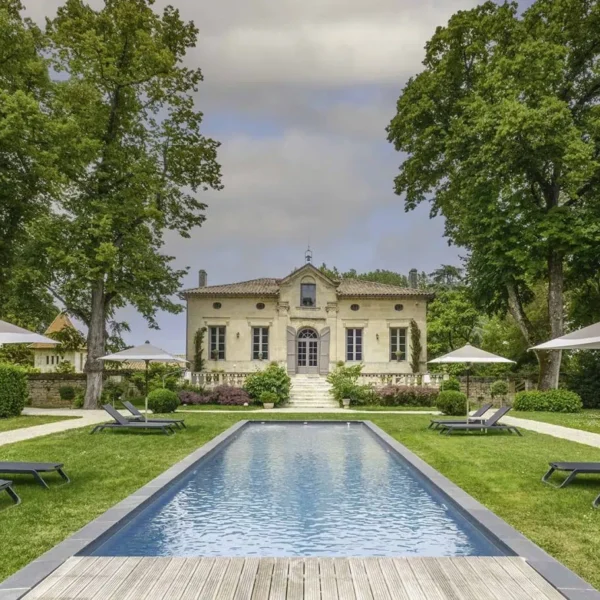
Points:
point(210, 380)
point(409, 379)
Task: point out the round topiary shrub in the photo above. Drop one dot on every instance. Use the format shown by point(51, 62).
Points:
point(13, 390)
point(450, 385)
point(66, 392)
point(163, 401)
point(451, 402)
point(530, 400)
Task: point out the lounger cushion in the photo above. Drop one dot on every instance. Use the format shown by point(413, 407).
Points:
point(15, 467)
point(576, 466)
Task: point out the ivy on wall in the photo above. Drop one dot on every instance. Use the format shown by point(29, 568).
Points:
point(415, 346)
point(198, 348)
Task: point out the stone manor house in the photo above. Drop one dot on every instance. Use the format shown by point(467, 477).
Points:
point(307, 322)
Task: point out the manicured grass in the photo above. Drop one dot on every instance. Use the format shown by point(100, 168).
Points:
point(28, 421)
point(586, 420)
point(193, 407)
point(501, 471)
point(393, 408)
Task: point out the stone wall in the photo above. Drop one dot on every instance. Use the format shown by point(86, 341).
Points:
point(44, 388)
point(479, 387)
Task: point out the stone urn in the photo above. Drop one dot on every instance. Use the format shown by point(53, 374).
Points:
point(346, 402)
point(268, 405)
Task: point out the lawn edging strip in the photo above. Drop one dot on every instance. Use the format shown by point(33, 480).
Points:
point(563, 579)
point(96, 532)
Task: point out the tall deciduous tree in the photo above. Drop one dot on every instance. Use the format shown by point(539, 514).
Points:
point(143, 158)
point(502, 132)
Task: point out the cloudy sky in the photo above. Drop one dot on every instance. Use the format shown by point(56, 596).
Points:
point(299, 94)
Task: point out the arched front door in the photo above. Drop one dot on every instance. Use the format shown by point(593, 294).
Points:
point(307, 351)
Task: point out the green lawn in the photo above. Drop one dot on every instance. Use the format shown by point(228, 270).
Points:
point(501, 471)
point(28, 421)
point(393, 408)
point(586, 420)
point(192, 407)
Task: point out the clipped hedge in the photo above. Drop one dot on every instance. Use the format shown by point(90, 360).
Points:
point(452, 403)
point(66, 392)
point(228, 395)
point(549, 401)
point(404, 395)
point(13, 390)
point(450, 385)
point(163, 401)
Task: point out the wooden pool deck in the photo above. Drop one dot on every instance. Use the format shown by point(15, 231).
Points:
point(130, 578)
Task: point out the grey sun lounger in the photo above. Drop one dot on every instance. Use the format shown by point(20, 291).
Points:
point(33, 468)
point(138, 416)
point(120, 422)
point(490, 424)
point(574, 469)
point(478, 414)
point(7, 487)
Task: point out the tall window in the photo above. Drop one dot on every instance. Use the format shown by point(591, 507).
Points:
point(308, 294)
point(260, 343)
point(217, 343)
point(398, 343)
point(354, 346)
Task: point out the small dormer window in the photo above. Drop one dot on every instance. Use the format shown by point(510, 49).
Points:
point(308, 294)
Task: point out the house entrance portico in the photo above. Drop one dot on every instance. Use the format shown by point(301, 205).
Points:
point(307, 351)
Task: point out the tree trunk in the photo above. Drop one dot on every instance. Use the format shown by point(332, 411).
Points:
point(95, 347)
point(550, 359)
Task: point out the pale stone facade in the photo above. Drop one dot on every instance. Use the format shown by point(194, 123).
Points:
point(307, 322)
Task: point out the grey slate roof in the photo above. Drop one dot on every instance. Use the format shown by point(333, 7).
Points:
point(346, 288)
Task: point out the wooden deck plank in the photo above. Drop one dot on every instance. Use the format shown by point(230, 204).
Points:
point(409, 579)
point(329, 584)
point(362, 588)
point(73, 590)
point(198, 579)
point(312, 584)
point(210, 589)
point(111, 587)
point(279, 579)
point(262, 585)
point(247, 579)
point(426, 581)
point(393, 580)
point(377, 581)
point(529, 579)
point(472, 589)
point(180, 583)
point(144, 576)
point(496, 577)
point(90, 585)
point(295, 588)
point(231, 579)
point(68, 570)
point(343, 577)
point(444, 584)
point(485, 586)
point(166, 579)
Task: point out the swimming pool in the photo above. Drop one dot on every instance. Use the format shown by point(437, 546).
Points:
point(317, 489)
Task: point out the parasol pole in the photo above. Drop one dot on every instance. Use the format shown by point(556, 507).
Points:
point(146, 407)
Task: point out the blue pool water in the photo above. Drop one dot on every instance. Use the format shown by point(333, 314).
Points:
point(300, 490)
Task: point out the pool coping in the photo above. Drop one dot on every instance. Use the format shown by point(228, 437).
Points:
point(563, 579)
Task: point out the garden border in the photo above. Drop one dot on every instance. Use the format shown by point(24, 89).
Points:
point(566, 581)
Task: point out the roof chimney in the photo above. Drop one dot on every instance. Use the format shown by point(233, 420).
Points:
point(412, 278)
point(202, 278)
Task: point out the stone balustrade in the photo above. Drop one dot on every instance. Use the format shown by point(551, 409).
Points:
point(408, 379)
point(210, 380)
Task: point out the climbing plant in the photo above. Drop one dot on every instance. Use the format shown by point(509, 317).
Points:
point(415, 346)
point(198, 347)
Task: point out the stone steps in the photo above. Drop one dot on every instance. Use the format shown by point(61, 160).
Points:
point(310, 391)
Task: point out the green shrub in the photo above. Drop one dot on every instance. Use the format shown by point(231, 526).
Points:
point(451, 402)
point(268, 397)
point(499, 388)
point(79, 398)
point(13, 390)
point(66, 392)
point(344, 380)
point(450, 385)
point(550, 401)
point(272, 379)
point(163, 401)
